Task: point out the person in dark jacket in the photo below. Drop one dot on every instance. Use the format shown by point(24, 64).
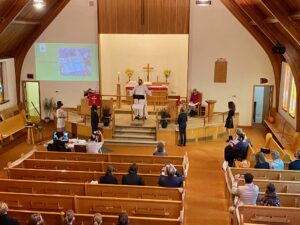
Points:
point(170, 177)
point(132, 178)
point(295, 165)
point(182, 120)
point(229, 120)
point(94, 119)
point(123, 219)
point(108, 178)
point(261, 162)
point(160, 149)
point(5, 219)
point(270, 198)
point(59, 144)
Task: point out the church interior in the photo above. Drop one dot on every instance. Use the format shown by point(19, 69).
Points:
point(199, 92)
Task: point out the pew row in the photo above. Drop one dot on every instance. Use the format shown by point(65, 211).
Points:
point(91, 205)
point(89, 166)
point(269, 215)
point(56, 218)
point(267, 174)
point(286, 199)
point(86, 189)
point(70, 176)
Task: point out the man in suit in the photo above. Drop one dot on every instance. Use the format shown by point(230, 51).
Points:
point(170, 177)
point(4, 218)
point(295, 165)
point(132, 178)
point(182, 123)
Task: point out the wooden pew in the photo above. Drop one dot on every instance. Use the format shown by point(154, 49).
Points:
point(286, 199)
point(77, 156)
point(90, 166)
point(86, 189)
point(267, 174)
point(70, 176)
point(12, 125)
point(269, 215)
point(56, 218)
point(273, 145)
point(90, 205)
point(250, 159)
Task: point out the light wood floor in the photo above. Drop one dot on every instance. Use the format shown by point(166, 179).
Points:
point(205, 202)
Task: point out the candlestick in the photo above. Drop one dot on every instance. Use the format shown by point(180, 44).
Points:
point(118, 77)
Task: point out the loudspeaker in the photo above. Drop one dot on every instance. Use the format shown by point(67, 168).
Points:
point(278, 49)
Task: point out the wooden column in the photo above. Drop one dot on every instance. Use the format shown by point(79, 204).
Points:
point(210, 110)
point(118, 96)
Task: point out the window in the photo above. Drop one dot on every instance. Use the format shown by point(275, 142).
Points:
point(289, 97)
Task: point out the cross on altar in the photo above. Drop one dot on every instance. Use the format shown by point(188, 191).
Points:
point(94, 98)
point(148, 68)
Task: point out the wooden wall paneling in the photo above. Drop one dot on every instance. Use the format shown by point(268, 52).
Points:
point(107, 16)
point(183, 16)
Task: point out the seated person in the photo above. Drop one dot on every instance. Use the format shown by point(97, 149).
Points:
point(97, 219)
point(170, 177)
point(235, 140)
point(295, 165)
point(195, 101)
point(160, 149)
point(237, 151)
point(261, 162)
point(108, 178)
point(69, 217)
point(270, 198)
point(123, 219)
point(132, 178)
point(4, 217)
point(277, 163)
point(36, 219)
point(247, 193)
point(96, 143)
point(58, 144)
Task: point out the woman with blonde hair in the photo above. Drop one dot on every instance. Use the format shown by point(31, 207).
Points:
point(261, 162)
point(36, 219)
point(97, 219)
point(4, 217)
point(69, 217)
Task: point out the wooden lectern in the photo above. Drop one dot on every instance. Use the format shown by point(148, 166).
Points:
point(210, 109)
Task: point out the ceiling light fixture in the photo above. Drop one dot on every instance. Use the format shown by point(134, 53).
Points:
point(203, 2)
point(39, 4)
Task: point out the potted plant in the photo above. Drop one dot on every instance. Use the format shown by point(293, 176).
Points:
point(164, 118)
point(106, 116)
point(129, 72)
point(48, 106)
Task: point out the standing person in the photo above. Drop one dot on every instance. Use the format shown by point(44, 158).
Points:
point(182, 120)
point(60, 114)
point(229, 120)
point(4, 218)
point(94, 118)
point(140, 93)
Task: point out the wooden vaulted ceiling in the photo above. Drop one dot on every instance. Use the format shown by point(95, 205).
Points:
point(273, 22)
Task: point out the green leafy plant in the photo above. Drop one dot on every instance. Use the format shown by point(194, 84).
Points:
point(164, 118)
point(106, 116)
point(48, 106)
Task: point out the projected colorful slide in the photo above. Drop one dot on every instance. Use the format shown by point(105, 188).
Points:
point(66, 62)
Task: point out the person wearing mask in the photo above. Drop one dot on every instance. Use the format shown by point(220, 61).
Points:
point(36, 219)
point(132, 178)
point(247, 193)
point(69, 217)
point(123, 219)
point(108, 178)
point(182, 123)
point(60, 115)
point(160, 149)
point(94, 119)
point(97, 219)
point(277, 163)
point(261, 162)
point(5, 219)
point(270, 198)
point(229, 120)
point(170, 177)
point(295, 165)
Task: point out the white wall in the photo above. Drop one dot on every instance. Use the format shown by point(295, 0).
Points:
point(283, 113)
point(122, 51)
point(9, 77)
point(259, 99)
point(215, 33)
point(77, 23)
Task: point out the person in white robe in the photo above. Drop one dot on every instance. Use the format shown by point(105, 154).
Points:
point(141, 89)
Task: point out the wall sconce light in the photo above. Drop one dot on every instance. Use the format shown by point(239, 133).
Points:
point(203, 2)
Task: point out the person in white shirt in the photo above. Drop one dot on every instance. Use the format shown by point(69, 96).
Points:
point(95, 144)
point(141, 89)
point(247, 193)
point(60, 114)
point(277, 163)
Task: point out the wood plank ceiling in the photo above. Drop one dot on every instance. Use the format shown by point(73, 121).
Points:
point(273, 22)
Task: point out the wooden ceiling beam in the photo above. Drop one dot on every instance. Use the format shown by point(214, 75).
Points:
point(12, 13)
point(282, 16)
point(26, 22)
point(260, 37)
point(27, 43)
point(266, 20)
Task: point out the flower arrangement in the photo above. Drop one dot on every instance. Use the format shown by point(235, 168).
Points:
point(167, 73)
point(129, 72)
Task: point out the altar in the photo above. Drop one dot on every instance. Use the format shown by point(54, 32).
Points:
point(159, 92)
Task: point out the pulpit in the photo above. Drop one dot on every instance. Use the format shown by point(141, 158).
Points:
point(210, 109)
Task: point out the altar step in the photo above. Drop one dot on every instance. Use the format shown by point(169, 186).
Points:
point(130, 142)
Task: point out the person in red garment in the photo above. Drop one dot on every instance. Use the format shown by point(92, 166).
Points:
point(195, 102)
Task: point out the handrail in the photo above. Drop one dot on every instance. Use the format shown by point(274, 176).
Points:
point(36, 109)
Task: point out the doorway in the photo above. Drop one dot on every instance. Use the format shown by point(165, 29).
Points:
point(262, 102)
point(31, 99)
